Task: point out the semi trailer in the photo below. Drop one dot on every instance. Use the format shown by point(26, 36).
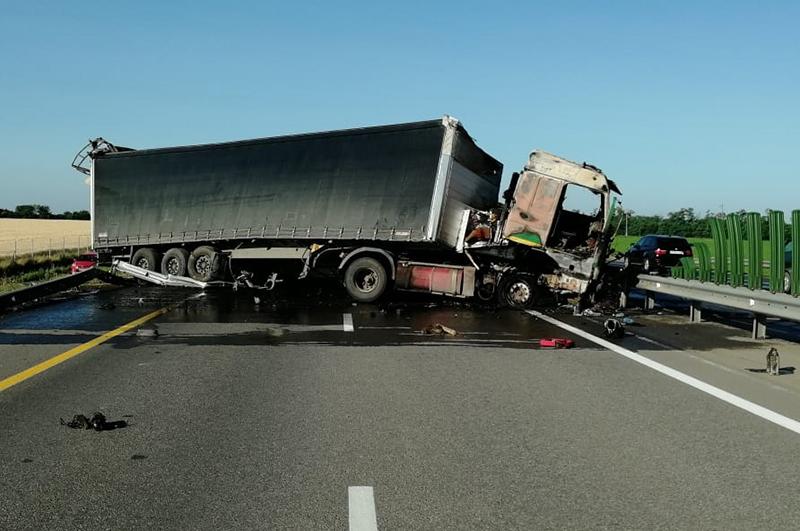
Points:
point(410, 206)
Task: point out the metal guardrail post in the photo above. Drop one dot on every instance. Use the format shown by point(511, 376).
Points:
point(776, 251)
point(759, 326)
point(695, 312)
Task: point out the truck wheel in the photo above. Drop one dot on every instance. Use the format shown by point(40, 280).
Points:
point(175, 261)
point(518, 292)
point(146, 258)
point(204, 264)
point(365, 279)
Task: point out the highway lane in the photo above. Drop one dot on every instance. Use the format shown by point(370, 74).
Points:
point(249, 415)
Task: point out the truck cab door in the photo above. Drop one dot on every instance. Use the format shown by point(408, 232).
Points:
point(535, 201)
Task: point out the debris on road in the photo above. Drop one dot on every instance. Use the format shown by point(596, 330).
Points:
point(556, 342)
point(773, 362)
point(97, 422)
point(147, 332)
point(613, 329)
point(439, 329)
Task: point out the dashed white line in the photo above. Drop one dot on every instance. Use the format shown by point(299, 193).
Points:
point(361, 509)
point(725, 396)
point(347, 322)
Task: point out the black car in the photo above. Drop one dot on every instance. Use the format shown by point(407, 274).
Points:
point(656, 253)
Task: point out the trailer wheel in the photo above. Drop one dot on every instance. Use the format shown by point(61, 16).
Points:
point(146, 258)
point(175, 262)
point(365, 279)
point(518, 292)
point(204, 264)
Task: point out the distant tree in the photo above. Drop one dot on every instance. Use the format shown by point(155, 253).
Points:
point(43, 211)
point(80, 214)
point(25, 211)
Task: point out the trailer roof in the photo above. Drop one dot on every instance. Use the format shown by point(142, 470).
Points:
point(130, 152)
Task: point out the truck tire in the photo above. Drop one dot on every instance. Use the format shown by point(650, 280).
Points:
point(146, 258)
point(204, 264)
point(365, 279)
point(518, 292)
point(175, 262)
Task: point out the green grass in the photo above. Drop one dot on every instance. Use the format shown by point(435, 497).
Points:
point(20, 272)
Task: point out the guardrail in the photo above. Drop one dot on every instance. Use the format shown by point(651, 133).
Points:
point(14, 298)
point(761, 304)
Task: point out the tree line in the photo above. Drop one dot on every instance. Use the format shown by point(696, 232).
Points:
point(41, 212)
point(684, 222)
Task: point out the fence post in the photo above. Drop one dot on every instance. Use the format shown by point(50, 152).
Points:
point(49, 248)
point(64, 245)
point(14, 254)
point(31, 248)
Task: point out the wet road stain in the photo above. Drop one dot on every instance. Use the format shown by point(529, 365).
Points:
point(137, 457)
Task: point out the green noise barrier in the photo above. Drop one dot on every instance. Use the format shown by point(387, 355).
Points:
point(795, 274)
point(736, 250)
point(776, 251)
point(755, 276)
point(719, 235)
point(702, 254)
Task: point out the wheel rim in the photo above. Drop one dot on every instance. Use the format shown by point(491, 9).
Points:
point(787, 282)
point(365, 280)
point(202, 265)
point(173, 267)
point(144, 263)
point(519, 293)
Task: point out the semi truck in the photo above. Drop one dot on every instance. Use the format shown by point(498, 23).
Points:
point(412, 206)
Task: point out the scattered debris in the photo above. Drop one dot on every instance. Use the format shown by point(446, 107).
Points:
point(588, 312)
point(613, 329)
point(556, 342)
point(439, 329)
point(147, 332)
point(97, 422)
point(628, 321)
point(773, 362)
point(136, 457)
point(27, 460)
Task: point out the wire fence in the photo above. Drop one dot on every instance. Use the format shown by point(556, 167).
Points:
point(29, 247)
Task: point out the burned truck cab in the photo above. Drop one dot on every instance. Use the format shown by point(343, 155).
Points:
point(568, 242)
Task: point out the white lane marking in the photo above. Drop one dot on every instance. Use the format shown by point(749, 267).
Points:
point(361, 506)
point(347, 322)
point(725, 396)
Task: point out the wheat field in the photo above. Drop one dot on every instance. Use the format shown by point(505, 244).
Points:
point(22, 237)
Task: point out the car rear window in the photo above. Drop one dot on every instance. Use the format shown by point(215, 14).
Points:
point(673, 243)
point(87, 257)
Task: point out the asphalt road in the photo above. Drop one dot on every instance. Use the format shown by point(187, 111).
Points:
point(245, 415)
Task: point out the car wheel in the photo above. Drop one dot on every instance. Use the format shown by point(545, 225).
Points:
point(646, 265)
point(365, 279)
point(787, 281)
point(146, 258)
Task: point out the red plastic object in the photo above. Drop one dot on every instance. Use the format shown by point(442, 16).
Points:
point(556, 342)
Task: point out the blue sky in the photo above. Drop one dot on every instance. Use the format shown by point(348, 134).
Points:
point(684, 104)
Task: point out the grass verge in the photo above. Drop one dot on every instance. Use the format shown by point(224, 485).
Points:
point(22, 271)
